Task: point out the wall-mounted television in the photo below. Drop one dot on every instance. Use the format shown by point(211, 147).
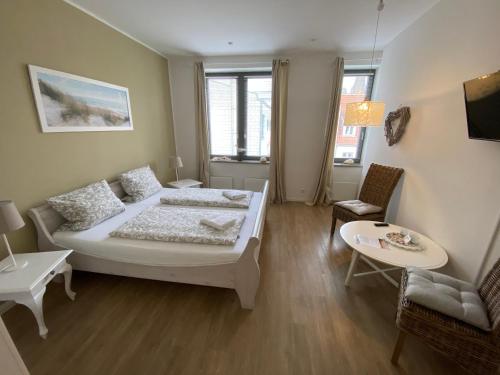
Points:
point(482, 103)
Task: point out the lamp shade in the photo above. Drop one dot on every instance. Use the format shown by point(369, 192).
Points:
point(10, 219)
point(365, 113)
point(175, 162)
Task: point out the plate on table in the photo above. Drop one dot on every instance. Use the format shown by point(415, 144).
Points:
point(398, 239)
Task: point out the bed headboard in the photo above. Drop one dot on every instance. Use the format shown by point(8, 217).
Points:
point(47, 220)
point(117, 188)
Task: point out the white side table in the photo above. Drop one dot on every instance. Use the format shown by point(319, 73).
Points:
point(183, 184)
point(27, 286)
point(431, 257)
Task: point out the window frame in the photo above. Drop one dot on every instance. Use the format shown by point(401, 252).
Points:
point(351, 132)
point(241, 109)
point(361, 141)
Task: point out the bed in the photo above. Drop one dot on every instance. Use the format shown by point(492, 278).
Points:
point(234, 266)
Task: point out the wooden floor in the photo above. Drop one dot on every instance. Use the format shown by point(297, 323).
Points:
point(305, 320)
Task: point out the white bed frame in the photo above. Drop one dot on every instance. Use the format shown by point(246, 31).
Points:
point(242, 275)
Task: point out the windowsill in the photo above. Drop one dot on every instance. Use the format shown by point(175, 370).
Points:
point(358, 165)
point(240, 162)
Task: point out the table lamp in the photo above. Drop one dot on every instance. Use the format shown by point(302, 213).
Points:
point(10, 220)
point(176, 162)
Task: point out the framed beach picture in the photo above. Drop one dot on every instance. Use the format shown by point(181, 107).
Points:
point(70, 103)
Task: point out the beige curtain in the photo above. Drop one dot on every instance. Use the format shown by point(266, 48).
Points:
point(325, 181)
point(203, 146)
point(278, 126)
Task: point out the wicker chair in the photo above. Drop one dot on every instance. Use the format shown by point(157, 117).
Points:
point(475, 350)
point(377, 189)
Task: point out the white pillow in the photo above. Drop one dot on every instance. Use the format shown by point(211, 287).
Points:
point(140, 183)
point(88, 206)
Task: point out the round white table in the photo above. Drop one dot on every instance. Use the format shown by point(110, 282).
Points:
point(432, 256)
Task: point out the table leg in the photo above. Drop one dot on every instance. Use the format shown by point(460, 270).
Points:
point(35, 304)
point(67, 271)
point(354, 261)
point(379, 270)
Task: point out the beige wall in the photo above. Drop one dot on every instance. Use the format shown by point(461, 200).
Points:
point(34, 165)
point(451, 184)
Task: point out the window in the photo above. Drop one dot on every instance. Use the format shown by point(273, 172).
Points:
point(356, 87)
point(239, 114)
point(349, 131)
point(348, 154)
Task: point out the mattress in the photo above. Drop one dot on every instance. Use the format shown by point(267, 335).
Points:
point(96, 241)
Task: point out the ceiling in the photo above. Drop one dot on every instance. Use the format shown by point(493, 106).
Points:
point(206, 27)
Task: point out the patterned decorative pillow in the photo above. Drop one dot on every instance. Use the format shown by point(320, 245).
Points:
point(88, 206)
point(140, 183)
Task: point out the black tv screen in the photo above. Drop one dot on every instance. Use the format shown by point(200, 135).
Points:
point(482, 103)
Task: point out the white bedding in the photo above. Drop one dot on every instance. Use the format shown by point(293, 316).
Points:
point(97, 242)
point(180, 224)
point(205, 198)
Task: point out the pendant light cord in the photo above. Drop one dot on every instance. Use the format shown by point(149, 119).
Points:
point(379, 8)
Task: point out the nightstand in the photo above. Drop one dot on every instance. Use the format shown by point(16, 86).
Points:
point(183, 184)
point(27, 285)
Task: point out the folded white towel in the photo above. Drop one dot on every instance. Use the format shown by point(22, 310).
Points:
point(234, 194)
point(220, 222)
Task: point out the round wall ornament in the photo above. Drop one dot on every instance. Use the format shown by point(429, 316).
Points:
point(393, 132)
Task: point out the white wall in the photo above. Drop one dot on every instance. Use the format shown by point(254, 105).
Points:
point(492, 256)
point(309, 83)
point(451, 184)
point(12, 363)
point(181, 72)
point(308, 95)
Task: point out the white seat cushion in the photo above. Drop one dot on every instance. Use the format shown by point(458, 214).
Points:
point(359, 207)
point(447, 295)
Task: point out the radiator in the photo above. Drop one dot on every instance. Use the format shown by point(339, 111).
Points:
point(343, 191)
point(217, 182)
point(253, 184)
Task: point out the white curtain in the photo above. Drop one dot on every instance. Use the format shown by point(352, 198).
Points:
point(325, 181)
point(203, 146)
point(278, 129)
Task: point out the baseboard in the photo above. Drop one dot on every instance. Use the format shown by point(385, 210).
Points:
point(295, 199)
point(6, 306)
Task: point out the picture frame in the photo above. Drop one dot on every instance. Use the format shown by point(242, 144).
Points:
point(70, 103)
